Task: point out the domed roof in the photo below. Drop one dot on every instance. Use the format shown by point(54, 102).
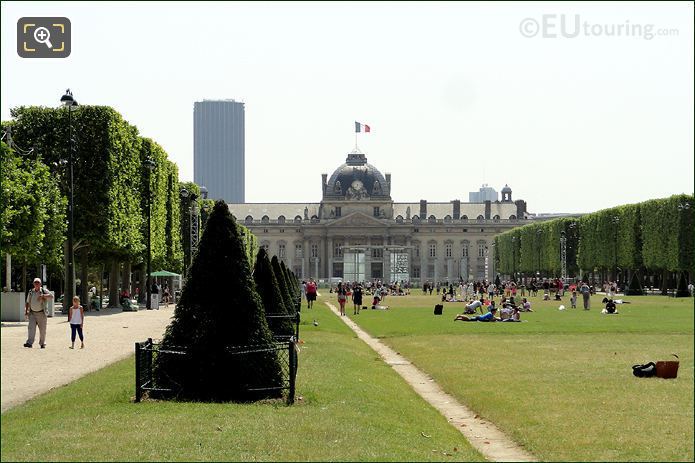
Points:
point(357, 180)
point(506, 189)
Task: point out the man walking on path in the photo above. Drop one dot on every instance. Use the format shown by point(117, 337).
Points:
point(35, 312)
point(586, 293)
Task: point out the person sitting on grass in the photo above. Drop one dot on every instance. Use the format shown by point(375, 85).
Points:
point(471, 308)
point(526, 305)
point(546, 296)
point(514, 317)
point(610, 308)
point(488, 317)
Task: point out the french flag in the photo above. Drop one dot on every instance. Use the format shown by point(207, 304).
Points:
point(361, 128)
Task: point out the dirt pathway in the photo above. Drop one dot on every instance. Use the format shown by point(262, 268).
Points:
point(110, 335)
point(482, 434)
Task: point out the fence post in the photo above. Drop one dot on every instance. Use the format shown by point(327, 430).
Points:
point(138, 391)
point(293, 370)
point(296, 337)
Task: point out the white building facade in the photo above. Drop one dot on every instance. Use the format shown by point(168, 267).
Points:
point(358, 233)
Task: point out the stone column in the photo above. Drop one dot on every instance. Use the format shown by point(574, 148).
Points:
point(368, 260)
point(386, 262)
point(329, 240)
point(305, 257)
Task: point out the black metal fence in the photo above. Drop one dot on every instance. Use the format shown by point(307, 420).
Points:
point(147, 353)
point(295, 319)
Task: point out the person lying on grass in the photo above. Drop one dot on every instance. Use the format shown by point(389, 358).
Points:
point(488, 317)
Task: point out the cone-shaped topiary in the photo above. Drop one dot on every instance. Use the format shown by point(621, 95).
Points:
point(219, 308)
point(635, 288)
point(682, 290)
point(269, 289)
point(289, 281)
point(275, 262)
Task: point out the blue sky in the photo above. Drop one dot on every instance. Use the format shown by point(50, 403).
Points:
point(456, 94)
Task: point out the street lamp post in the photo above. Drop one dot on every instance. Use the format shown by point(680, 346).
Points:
point(539, 232)
point(615, 220)
point(563, 255)
point(514, 259)
point(150, 165)
point(69, 102)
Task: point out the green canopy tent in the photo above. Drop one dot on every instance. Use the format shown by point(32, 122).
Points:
point(164, 273)
point(176, 282)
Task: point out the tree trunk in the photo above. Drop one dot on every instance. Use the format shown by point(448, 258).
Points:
point(664, 283)
point(8, 271)
point(113, 284)
point(126, 278)
point(84, 275)
point(24, 276)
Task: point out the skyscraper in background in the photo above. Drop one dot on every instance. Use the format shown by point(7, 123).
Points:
point(218, 149)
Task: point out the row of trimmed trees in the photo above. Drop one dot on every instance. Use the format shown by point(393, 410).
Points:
point(111, 187)
point(223, 309)
point(652, 239)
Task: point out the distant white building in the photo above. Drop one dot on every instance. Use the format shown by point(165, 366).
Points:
point(485, 193)
point(357, 232)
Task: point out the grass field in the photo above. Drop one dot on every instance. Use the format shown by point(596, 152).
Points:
point(353, 408)
point(561, 382)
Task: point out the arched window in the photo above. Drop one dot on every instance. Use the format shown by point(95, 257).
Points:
point(281, 219)
point(399, 219)
point(314, 219)
point(416, 219)
point(265, 219)
point(297, 219)
point(512, 217)
point(496, 218)
point(464, 217)
point(431, 219)
point(480, 218)
point(248, 220)
point(447, 219)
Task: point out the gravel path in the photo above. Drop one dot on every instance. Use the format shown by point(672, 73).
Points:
point(109, 335)
point(482, 434)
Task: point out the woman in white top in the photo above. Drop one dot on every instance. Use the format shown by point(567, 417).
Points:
point(76, 320)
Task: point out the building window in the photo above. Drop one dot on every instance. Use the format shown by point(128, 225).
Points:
point(314, 250)
point(248, 220)
point(433, 250)
point(432, 219)
point(447, 249)
point(282, 230)
point(481, 250)
point(416, 230)
point(265, 219)
point(417, 250)
point(416, 272)
point(338, 249)
point(265, 230)
point(376, 211)
point(496, 218)
point(298, 251)
point(480, 218)
point(399, 219)
point(297, 219)
point(338, 211)
point(281, 219)
point(464, 251)
point(377, 252)
point(266, 247)
point(430, 271)
point(281, 251)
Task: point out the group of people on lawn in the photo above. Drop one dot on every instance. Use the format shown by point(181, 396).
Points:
point(510, 311)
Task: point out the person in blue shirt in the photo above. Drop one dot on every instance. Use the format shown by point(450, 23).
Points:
point(488, 317)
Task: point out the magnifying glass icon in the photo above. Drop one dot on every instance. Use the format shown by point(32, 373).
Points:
point(42, 35)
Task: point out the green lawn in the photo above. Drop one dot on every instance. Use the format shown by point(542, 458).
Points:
point(353, 408)
point(561, 382)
